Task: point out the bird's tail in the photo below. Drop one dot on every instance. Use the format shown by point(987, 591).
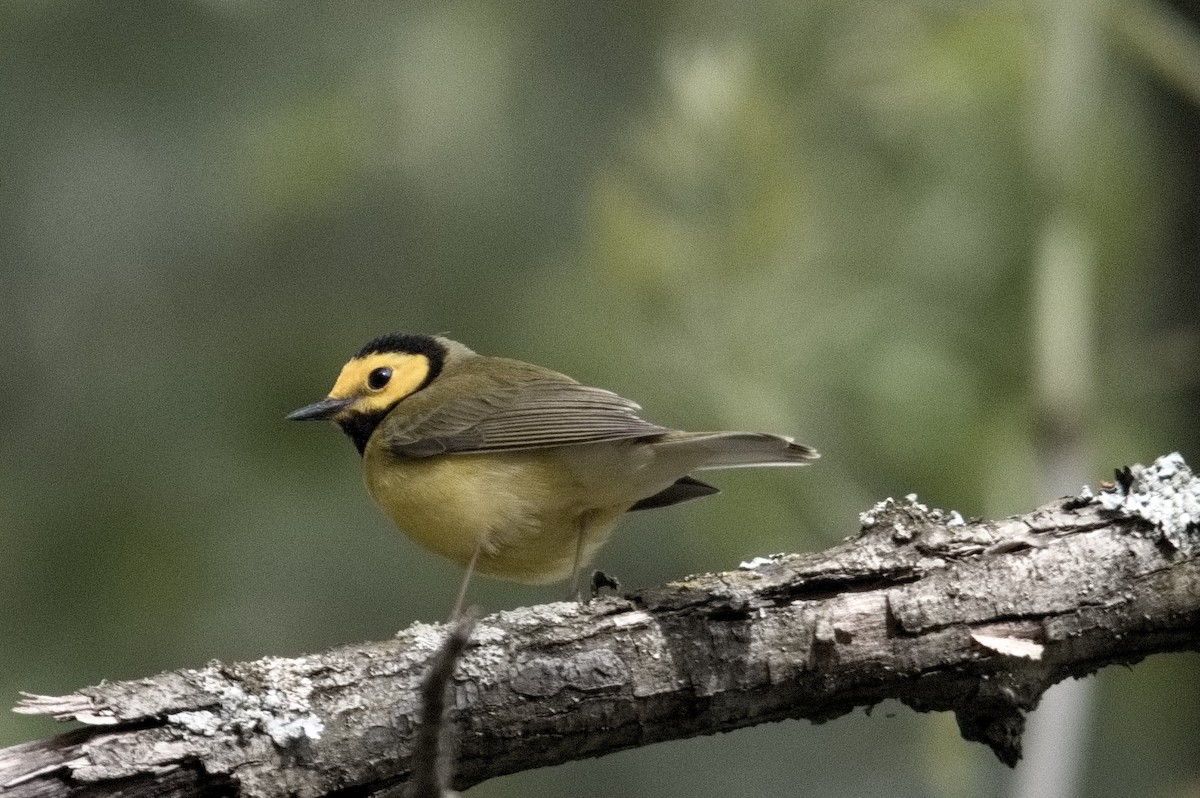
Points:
point(735, 449)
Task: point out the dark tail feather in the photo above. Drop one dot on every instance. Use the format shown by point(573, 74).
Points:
point(682, 490)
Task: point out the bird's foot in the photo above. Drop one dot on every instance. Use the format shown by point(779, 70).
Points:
point(601, 580)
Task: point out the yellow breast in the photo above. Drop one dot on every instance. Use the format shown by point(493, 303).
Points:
point(524, 510)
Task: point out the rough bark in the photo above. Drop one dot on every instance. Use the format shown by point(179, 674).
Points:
point(975, 618)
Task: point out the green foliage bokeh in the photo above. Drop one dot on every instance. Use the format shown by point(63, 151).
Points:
point(820, 219)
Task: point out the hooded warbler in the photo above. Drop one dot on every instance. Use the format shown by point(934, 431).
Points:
point(511, 469)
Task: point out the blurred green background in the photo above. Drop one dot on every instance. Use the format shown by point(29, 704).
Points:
point(949, 243)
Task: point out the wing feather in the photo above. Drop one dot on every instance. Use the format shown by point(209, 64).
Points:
point(531, 415)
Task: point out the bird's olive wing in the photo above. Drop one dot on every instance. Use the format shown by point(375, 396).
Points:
point(533, 415)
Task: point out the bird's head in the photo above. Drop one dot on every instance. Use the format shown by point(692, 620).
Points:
point(383, 373)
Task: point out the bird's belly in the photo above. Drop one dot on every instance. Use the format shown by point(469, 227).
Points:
point(522, 510)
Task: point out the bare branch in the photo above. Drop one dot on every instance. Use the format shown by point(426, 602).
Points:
point(974, 618)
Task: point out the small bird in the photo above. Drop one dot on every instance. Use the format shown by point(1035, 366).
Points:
point(511, 469)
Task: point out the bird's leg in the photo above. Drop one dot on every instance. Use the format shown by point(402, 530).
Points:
point(462, 589)
point(574, 593)
point(601, 580)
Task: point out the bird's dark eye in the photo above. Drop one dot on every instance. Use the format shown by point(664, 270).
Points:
point(378, 378)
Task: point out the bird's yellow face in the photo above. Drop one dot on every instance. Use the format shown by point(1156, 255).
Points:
point(376, 382)
point(387, 370)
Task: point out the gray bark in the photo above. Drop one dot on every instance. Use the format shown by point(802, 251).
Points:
point(977, 619)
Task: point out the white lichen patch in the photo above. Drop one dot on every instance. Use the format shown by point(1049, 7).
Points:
point(553, 614)
point(285, 731)
point(1165, 494)
point(913, 506)
point(486, 634)
point(202, 722)
point(280, 707)
point(423, 636)
point(486, 652)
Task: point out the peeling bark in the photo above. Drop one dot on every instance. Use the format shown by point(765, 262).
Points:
point(978, 619)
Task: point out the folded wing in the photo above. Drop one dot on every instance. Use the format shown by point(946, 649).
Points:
point(533, 415)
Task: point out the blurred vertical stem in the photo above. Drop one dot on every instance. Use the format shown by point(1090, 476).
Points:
point(1062, 120)
point(1064, 298)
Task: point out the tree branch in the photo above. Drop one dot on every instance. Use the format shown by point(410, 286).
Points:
point(978, 619)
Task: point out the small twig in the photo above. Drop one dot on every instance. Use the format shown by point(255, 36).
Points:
point(434, 745)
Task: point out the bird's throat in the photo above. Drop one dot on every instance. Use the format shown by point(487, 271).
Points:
point(359, 427)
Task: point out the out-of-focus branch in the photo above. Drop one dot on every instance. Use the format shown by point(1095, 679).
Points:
point(432, 763)
point(974, 618)
point(1164, 39)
